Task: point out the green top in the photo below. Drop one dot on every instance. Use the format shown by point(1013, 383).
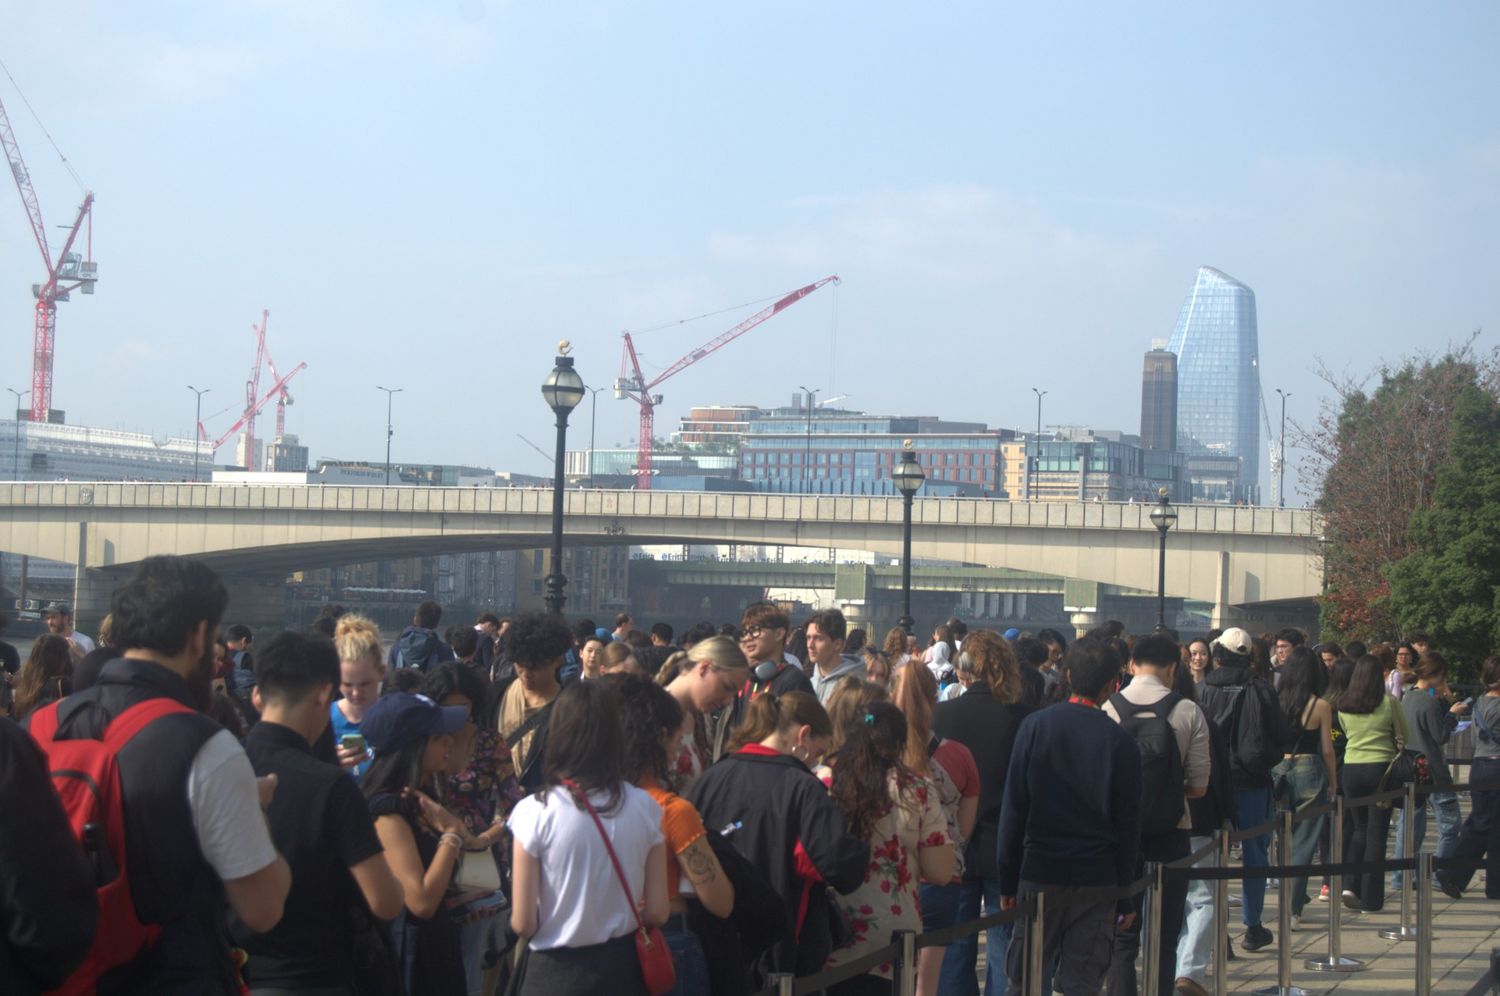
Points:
point(1370, 735)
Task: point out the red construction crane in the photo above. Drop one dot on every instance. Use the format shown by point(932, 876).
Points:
point(632, 383)
point(254, 400)
point(252, 411)
point(71, 272)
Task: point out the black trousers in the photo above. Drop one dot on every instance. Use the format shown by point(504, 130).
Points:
point(1122, 974)
point(1371, 828)
point(1479, 837)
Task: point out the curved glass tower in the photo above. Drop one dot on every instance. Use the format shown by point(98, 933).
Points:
point(1218, 388)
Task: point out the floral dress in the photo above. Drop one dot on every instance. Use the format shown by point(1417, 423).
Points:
point(487, 788)
point(887, 901)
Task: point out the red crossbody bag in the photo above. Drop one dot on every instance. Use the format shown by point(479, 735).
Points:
point(650, 946)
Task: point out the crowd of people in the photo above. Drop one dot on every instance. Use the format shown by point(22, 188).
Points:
point(525, 806)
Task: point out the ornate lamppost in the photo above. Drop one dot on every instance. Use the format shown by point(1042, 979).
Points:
point(1163, 517)
point(909, 477)
point(563, 390)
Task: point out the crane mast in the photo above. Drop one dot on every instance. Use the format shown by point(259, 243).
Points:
point(71, 271)
point(632, 382)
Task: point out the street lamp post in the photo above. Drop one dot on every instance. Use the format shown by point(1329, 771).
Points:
point(1163, 517)
point(908, 477)
point(197, 421)
point(812, 396)
point(593, 426)
point(390, 394)
point(563, 390)
point(1281, 453)
point(16, 458)
point(1033, 459)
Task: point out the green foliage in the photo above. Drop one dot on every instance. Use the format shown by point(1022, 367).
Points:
point(1449, 584)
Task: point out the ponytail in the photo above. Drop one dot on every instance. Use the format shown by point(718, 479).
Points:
point(863, 765)
point(769, 714)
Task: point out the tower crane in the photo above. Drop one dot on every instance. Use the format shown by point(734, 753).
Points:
point(254, 400)
point(632, 382)
point(70, 272)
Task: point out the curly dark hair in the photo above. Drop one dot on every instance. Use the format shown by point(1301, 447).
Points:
point(648, 712)
point(863, 765)
point(536, 639)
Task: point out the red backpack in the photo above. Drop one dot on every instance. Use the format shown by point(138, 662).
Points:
point(87, 777)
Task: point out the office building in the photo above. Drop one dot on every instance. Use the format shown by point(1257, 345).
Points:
point(55, 451)
point(1079, 464)
point(1218, 386)
point(1159, 401)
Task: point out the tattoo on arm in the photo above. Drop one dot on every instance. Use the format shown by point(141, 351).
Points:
point(698, 862)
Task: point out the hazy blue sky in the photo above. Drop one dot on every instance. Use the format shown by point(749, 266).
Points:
point(430, 194)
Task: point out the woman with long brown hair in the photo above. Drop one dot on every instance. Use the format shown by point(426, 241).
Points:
point(46, 676)
point(949, 766)
point(984, 719)
point(898, 813)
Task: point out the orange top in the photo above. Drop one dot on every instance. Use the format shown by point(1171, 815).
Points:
point(680, 824)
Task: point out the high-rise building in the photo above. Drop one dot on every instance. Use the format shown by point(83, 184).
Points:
point(1159, 401)
point(1218, 385)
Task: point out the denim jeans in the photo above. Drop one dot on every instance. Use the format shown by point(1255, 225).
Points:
point(1445, 805)
point(1196, 944)
point(960, 962)
point(687, 958)
point(1307, 779)
point(1254, 807)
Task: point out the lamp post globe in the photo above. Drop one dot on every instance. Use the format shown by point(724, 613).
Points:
point(563, 391)
point(908, 478)
point(1163, 517)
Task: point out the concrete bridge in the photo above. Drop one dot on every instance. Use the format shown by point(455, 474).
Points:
point(1229, 557)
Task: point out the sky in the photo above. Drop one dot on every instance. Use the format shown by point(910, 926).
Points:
point(431, 195)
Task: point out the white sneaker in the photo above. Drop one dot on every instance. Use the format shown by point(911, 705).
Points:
point(1296, 921)
point(1235, 901)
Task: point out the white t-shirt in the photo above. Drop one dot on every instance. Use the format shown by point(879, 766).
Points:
point(83, 643)
point(227, 816)
point(581, 902)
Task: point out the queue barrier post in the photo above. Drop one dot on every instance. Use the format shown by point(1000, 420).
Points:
point(1406, 931)
point(785, 983)
point(1034, 929)
point(1424, 915)
point(1283, 986)
point(1221, 919)
point(1151, 933)
point(1335, 962)
point(905, 968)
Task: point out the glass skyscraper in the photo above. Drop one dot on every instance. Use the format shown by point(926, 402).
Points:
point(1218, 387)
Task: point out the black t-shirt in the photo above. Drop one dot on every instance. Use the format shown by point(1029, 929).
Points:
point(321, 824)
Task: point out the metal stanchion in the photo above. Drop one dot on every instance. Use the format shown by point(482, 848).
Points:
point(785, 983)
point(906, 968)
point(1335, 962)
point(1284, 985)
point(1221, 920)
point(1424, 916)
point(1151, 930)
point(1034, 939)
point(1405, 932)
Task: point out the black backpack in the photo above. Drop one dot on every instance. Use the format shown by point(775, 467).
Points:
point(1163, 779)
point(1258, 732)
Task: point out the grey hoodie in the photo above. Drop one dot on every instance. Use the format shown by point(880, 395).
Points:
point(848, 665)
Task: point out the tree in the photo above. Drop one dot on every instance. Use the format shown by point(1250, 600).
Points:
point(1449, 585)
point(1376, 456)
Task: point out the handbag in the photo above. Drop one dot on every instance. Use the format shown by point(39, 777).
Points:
point(657, 970)
point(477, 872)
point(1408, 767)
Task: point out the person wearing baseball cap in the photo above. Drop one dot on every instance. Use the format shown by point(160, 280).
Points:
point(412, 737)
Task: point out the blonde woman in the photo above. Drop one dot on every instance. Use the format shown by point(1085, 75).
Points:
point(361, 670)
point(709, 677)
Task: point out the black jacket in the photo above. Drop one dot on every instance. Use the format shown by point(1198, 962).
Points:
point(1222, 694)
point(48, 908)
point(766, 805)
point(988, 728)
point(1216, 809)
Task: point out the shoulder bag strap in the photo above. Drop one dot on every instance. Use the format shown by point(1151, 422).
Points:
point(583, 800)
point(139, 716)
point(535, 720)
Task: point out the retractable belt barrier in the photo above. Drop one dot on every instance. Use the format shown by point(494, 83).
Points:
point(901, 952)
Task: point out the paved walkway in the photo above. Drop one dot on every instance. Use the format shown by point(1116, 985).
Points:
point(1463, 933)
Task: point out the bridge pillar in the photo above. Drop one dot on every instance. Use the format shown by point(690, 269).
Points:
point(92, 591)
point(1083, 622)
